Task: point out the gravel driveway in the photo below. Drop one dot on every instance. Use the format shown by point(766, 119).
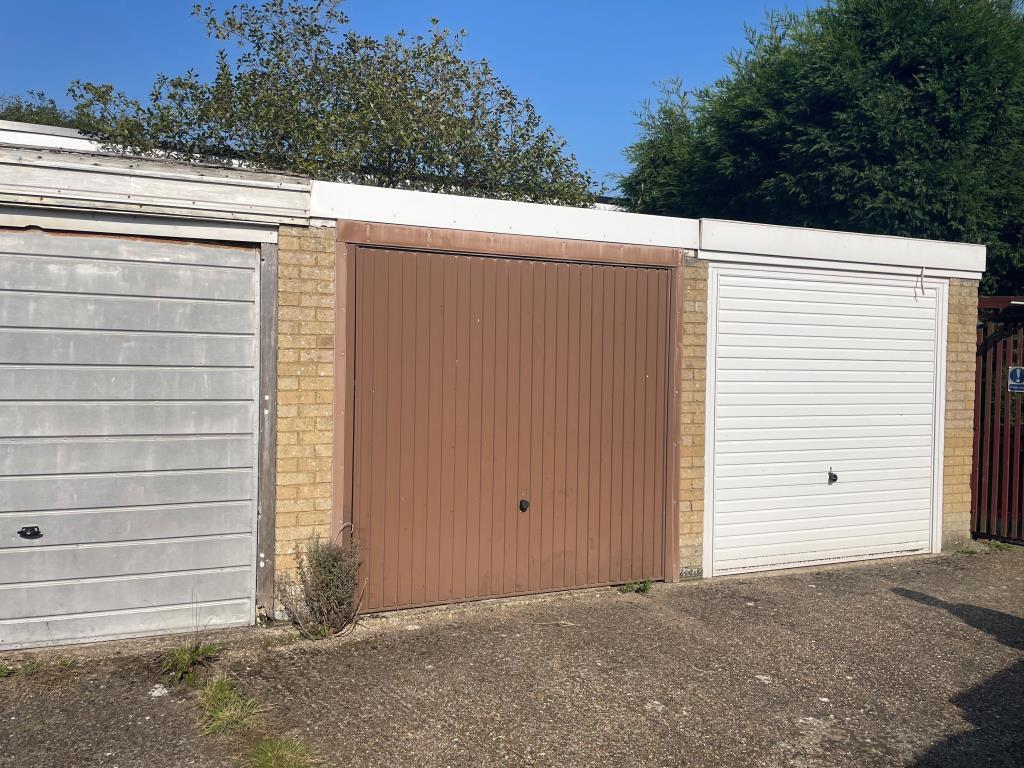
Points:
point(912, 662)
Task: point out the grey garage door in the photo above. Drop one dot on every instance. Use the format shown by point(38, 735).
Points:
point(128, 386)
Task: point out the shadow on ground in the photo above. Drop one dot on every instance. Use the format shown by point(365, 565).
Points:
point(995, 707)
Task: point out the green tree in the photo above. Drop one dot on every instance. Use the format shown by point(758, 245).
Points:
point(36, 107)
point(300, 91)
point(902, 117)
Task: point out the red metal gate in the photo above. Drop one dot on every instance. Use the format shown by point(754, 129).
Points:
point(997, 481)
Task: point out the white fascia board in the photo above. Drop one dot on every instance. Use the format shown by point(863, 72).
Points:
point(354, 202)
point(45, 136)
point(718, 238)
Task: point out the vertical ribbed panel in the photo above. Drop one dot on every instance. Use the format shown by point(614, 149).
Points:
point(997, 500)
point(481, 381)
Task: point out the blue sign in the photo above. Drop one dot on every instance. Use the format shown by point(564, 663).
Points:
point(1016, 379)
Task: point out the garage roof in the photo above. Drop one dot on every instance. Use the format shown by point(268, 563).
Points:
point(757, 243)
point(245, 195)
point(427, 209)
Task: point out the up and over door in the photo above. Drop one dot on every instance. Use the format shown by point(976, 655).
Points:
point(128, 385)
point(823, 422)
point(510, 424)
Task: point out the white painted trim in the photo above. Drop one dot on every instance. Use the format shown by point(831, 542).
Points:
point(427, 209)
point(707, 561)
point(760, 260)
point(847, 248)
point(49, 136)
point(134, 224)
point(46, 130)
point(939, 423)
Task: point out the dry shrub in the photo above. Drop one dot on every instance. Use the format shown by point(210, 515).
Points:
point(323, 597)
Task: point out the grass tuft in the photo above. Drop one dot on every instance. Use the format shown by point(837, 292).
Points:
point(182, 661)
point(28, 668)
point(228, 711)
point(638, 587)
point(998, 546)
point(281, 753)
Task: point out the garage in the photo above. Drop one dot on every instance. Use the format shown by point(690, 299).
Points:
point(128, 436)
point(511, 404)
point(202, 368)
point(826, 396)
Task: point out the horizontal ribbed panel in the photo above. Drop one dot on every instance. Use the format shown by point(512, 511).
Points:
point(816, 374)
point(127, 435)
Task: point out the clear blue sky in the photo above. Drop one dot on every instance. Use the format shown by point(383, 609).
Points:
point(586, 64)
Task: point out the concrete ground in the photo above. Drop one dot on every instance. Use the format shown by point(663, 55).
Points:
point(908, 662)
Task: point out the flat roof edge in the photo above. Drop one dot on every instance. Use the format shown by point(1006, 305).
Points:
point(333, 200)
point(717, 235)
point(45, 130)
point(117, 162)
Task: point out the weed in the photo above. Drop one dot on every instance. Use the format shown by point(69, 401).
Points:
point(183, 659)
point(30, 667)
point(324, 600)
point(638, 587)
point(999, 546)
point(281, 753)
point(278, 639)
point(227, 710)
point(981, 546)
point(66, 662)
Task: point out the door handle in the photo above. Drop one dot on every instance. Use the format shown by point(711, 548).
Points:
point(832, 476)
point(524, 504)
point(30, 532)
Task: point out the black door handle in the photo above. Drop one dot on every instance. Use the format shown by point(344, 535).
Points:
point(30, 532)
point(832, 476)
point(524, 505)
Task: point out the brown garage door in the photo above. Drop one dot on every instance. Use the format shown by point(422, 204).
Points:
point(481, 383)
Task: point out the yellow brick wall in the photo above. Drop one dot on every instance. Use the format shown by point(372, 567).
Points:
point(305, 424)
point(961, 343)
point(692, 382)
point(305, 387)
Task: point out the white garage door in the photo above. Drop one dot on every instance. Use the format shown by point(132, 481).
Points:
point(127, 436)
point(817, 373)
